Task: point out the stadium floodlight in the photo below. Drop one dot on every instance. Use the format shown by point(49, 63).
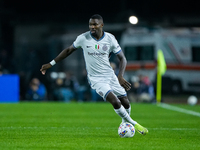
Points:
point(133, 19)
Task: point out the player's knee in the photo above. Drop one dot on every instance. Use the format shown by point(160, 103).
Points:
point(116, 104)
point(125, 102)
point(113, 100)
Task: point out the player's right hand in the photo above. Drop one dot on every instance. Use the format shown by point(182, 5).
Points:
point(45, 67)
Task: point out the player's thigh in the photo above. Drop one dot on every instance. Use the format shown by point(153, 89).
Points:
point(118, 90)
point(103, 89)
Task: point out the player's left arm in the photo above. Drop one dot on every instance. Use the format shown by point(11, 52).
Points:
point(122, 66)
point(63, 54)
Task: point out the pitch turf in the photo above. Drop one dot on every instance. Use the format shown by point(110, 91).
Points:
point(93, 126)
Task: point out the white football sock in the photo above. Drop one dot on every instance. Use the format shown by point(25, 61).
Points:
point(124, 115)
point(128, 111)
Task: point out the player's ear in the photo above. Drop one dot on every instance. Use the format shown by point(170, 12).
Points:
point(102, 24)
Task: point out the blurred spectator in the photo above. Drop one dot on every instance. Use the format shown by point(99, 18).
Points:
point(85, 92)
point(36, 90)
point(84, 87)
point(62, 93)
point(65, 89)
point(143, 89)
point(94, 96)
point(31, 66)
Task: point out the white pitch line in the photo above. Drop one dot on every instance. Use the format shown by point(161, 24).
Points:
point(175, 129)
point(186, 111)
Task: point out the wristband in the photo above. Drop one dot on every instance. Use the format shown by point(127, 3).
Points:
point(53, 62)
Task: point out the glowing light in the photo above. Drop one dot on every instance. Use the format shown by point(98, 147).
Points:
point(133, 19)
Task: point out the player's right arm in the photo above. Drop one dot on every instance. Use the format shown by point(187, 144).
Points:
point(66, 52)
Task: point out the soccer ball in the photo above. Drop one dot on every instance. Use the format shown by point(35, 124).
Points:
point(126, 130)
point(192, 100)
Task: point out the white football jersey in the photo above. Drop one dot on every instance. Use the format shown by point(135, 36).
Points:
point(96, 52)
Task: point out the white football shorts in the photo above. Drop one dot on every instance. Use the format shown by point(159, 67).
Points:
point(104, 85)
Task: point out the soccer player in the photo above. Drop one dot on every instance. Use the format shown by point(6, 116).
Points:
point(97, 45)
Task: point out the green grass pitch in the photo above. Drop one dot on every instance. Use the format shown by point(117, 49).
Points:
point(93, 126)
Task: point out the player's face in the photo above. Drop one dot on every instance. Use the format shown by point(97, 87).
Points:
point(95, 26)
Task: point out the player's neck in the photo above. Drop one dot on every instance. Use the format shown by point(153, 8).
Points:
point(99, 36)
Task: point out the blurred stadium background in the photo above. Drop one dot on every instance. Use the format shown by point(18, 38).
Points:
point(34, 32)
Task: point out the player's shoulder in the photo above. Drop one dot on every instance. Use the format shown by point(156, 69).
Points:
point(84, 35)
point(110, 35)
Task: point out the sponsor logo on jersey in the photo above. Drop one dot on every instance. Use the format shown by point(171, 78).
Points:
point(96, 54)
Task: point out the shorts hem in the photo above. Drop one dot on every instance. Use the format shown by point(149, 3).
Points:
point(122, 95)
point(106, 95)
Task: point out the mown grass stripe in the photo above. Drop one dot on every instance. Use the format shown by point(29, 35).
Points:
point(96, 128)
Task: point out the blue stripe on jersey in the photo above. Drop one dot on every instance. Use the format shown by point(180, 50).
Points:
point(118, 51)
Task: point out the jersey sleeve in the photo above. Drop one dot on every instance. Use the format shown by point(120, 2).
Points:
point(78, 42)
point(115, 46)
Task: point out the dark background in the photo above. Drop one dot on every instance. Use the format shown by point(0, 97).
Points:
point(150, 11)
point(169, 13)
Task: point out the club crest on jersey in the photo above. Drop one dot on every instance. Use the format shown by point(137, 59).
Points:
point(105, 47)
point(96, 46)
point(101, 93)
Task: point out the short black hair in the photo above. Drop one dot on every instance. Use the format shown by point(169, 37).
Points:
point(97, 16)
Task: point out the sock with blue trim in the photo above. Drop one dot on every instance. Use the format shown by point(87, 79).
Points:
point(122, 112)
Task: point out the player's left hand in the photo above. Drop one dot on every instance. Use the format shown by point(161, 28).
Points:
point(125, 84)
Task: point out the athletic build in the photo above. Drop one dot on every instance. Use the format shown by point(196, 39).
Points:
point(97, 45)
